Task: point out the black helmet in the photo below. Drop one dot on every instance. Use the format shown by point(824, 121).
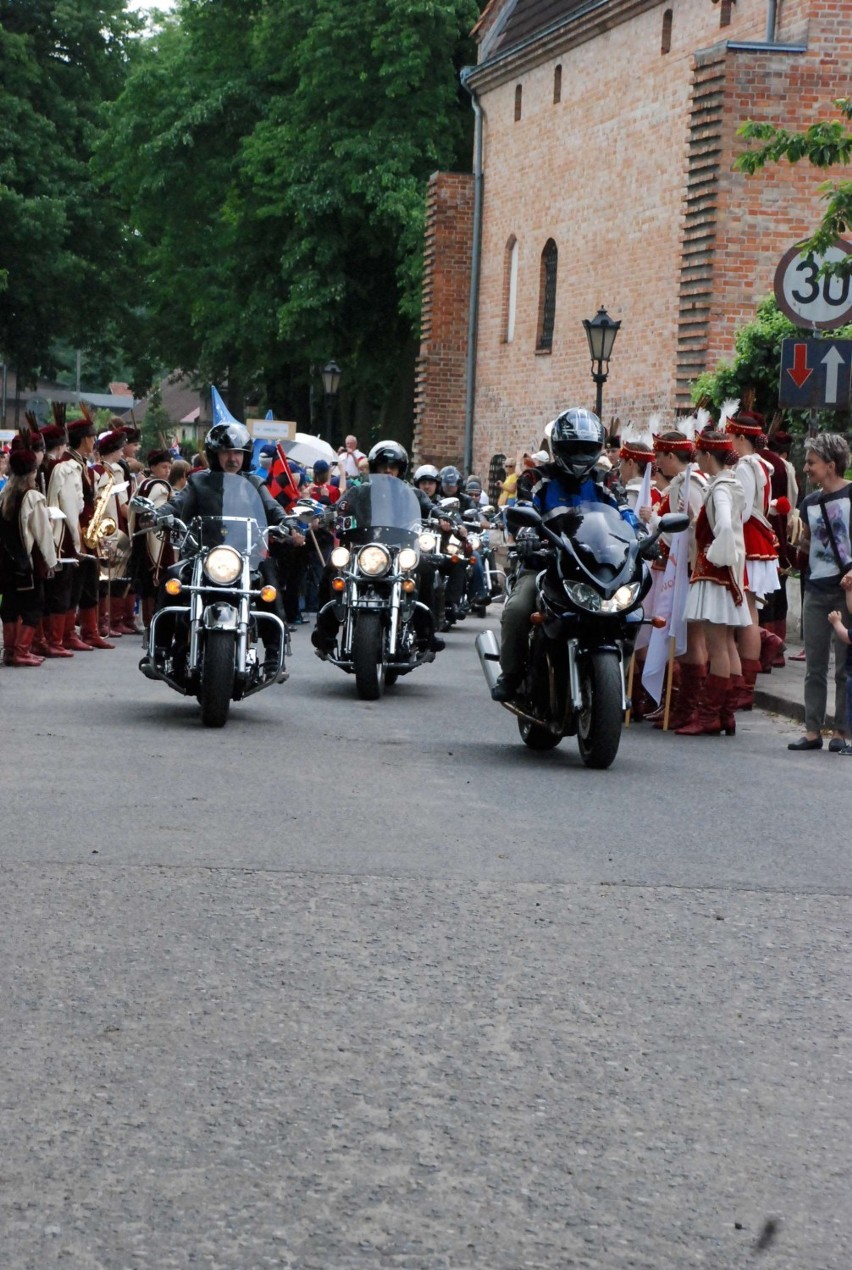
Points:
point(426, 472)
point(577, 440)
point(228, 436)
point(449, 476)
point(385, 453)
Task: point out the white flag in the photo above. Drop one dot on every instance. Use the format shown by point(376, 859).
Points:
point(670, 604)
point(643, 498)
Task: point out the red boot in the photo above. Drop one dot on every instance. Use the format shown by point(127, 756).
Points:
point(10, 639)
point(40, 641)
point(23, 655)
point(770, 648)
point(108, 619)
point(54, 627)
point(744, 698)
point(709, 721)
point(89, 629)
point(126, 616)
point(70, 639)
point(685, 709)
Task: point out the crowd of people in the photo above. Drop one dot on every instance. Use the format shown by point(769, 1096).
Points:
point(75, 574)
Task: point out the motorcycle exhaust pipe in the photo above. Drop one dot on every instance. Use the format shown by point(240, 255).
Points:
point(489, 656)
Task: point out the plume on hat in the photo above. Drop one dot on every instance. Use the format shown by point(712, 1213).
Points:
point(689, 425)
point(638, 433)
point(729, 409)
point(59, 409)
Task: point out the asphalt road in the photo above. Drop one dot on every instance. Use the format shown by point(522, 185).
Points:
point(369, 985)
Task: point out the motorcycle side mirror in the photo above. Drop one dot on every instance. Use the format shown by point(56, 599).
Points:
point(488, 510)
point(674, 523)
point(449, 504)
point(522, 516)
point(141, 504)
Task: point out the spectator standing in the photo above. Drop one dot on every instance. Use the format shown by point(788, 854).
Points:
point(350, 456)
point(826, 538)
point(842, 631)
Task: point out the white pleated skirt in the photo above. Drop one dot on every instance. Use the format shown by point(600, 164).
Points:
point(712, 602)
point(762, 576)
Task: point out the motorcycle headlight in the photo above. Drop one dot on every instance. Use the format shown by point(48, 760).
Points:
point(428, 542)
point(373, 561)
point(474, 541)
point(340, 557)
point(223, 565)
point(407, 558)
point(453, 548)
point(623, 598)
point(584, 596)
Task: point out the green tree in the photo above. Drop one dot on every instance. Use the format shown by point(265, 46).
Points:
point(274, 158)
point(60, 236)
point(825, 144)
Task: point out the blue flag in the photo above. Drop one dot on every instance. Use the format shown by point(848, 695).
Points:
point(221, 413)
point(269, 415)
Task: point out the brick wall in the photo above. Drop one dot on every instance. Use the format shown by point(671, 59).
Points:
point(630, 174)
point(439, 400)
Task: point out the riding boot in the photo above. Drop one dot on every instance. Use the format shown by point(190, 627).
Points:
point(726, 710)
point(770, 647)
point(54, 625)
point(708, 721)
point(71, 640)
point(744, 698)
point(10, 639)
point(126, 615)
point(779, 628)
point(685, 707)
point(40, 641)
point(23, 656)
point(89, 629)
point(108, 618)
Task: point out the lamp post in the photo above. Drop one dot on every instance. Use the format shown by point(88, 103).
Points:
point(331, 373)
point(601, 331)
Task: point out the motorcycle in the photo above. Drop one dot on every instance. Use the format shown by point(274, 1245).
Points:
point(587, 616)
point(207, 646)
point(485, 585)
point(375, 600)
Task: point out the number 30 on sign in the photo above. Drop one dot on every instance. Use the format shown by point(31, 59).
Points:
point(821, 303)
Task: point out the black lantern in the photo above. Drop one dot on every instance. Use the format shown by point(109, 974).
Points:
point(331, 374)
point(601, 331)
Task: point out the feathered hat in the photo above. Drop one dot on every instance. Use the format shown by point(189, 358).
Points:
point(637, 441)
point(680, 440)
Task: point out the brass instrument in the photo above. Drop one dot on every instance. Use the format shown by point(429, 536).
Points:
point(103, 537)
point(101, 525)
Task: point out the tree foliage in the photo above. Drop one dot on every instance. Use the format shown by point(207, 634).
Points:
point(825, 144)
point(273, 155)
point(60, 237)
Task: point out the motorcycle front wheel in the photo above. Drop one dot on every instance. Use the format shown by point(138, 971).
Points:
point(217, 678)
point(599, 723)
point(368, 656)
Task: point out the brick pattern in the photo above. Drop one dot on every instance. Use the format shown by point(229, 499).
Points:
point(439, 394)
point(631, 176)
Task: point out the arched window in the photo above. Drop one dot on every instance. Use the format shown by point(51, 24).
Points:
point(510, 289)
point(519, 96)
point(547, 297)
point(666, 41)
point(557, 85)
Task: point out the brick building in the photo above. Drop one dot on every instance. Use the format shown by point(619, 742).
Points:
point(607, 141)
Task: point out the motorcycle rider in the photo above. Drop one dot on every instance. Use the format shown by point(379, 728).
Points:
point(228, 448)
point(556, 489)
point(387, 458)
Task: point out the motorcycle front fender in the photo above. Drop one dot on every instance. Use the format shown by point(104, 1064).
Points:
point(219, 616)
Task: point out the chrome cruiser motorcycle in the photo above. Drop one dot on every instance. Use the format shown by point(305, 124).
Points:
point(587, 615)
point(384, 628)
point(204, 644)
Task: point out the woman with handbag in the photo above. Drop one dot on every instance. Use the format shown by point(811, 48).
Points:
point(826, 537)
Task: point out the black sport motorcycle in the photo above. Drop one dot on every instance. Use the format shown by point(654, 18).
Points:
point(205, 643)
point(588, 611)
point(384, 628)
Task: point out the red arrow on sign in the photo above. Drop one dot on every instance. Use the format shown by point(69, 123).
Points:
point(800, 372)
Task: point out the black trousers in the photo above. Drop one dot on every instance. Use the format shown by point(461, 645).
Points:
point(24, 603)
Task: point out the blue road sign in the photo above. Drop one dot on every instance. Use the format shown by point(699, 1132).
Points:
point(815, 374)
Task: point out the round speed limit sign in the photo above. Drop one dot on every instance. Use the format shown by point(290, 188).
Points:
point(808, 299)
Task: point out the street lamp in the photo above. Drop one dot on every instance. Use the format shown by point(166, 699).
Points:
point(600, 332)
point(331, 373)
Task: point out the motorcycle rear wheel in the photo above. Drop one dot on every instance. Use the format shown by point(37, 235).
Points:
point(368, 656)
point(599, 724)
point(537, 737)
point(217, 678)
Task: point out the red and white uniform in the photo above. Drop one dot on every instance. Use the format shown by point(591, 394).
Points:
point(71, 490)
point(717, 585)
point(761, 545)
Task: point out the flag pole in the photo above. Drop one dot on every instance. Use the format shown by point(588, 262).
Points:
point(669, 677)
point(630, 673)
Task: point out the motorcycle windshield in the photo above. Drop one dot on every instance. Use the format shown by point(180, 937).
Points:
point(601, 537)
point(384, 510)
point(242, 522)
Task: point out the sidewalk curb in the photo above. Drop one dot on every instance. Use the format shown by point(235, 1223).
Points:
point(774, 701)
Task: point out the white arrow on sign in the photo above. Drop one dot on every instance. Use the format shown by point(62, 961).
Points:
point(832, 361)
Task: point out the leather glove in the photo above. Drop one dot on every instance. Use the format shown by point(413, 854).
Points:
point(526, 543)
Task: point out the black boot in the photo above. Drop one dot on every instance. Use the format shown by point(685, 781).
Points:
point(505, 687)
